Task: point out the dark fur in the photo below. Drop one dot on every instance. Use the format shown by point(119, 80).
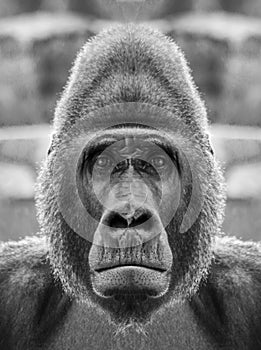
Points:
point(41, 280)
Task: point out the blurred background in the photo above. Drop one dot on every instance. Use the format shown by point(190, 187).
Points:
point(39, 40)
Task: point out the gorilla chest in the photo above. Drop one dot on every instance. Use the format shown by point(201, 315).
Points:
point(85, 328)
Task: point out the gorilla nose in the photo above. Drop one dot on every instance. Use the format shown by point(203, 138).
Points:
point(115, 219)
point(122, 229)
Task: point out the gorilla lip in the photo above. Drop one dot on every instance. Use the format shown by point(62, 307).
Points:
point(143, 269)
point(130, 279)
point(110, 267)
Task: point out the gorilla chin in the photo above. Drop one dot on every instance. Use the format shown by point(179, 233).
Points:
point(130, 289)
point(130, 293)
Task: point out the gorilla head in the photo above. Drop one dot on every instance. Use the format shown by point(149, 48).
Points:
point(130, 195)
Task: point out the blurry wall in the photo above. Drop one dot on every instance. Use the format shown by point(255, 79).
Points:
point(39, 40)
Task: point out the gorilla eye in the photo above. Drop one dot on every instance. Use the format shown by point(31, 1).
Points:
point(103, 162)
point(158, 162)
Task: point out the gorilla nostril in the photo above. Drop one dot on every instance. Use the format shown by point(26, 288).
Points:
point(115, 220)
point(141, 219)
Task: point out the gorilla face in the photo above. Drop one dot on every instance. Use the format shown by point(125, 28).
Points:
point(116, 240)
point(130, 195)
point(130, 171)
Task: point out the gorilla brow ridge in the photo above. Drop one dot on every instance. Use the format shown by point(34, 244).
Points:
point(99, 146)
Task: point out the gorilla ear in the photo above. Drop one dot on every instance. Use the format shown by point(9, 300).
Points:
point(210, 147)
point(50, 149)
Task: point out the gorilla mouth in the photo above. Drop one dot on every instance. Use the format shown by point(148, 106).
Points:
point(110, 267)
point(143, 269)
point(130, 279)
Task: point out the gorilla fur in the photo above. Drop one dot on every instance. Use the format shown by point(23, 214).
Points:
point(46, 297)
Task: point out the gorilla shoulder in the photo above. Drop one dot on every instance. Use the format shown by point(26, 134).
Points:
point(229, 303)
point(28, 293)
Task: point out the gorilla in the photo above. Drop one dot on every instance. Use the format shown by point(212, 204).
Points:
point(130, 200)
